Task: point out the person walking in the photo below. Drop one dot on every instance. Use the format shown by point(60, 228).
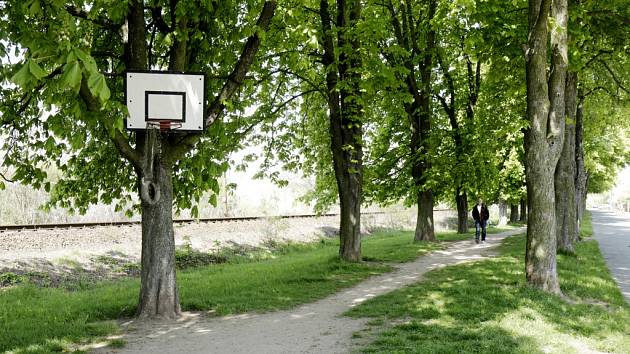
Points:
point(481, 214)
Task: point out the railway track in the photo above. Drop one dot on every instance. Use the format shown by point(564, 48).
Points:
point(5, 228)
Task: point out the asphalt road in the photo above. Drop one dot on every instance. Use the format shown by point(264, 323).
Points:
point(612, 231)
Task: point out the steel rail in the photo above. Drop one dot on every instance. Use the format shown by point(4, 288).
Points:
point(82, 225)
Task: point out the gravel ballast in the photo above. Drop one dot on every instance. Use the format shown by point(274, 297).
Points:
point(66, 251)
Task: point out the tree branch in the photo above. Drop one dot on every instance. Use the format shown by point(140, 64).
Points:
point(449, 81)
point(103, 22)
point(314, 85)
point(6, 179)
point(29, 96)
point(610, 14)
point(158, 20)
point(595, 89)
point(119, 140)
point(600, 53)
point(614, 76)
point(234, 81)
point(242, 66)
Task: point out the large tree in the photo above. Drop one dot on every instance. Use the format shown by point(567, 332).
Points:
point(597, 38)
point(320, 99)
point(545, 135)
point(68, 108)
point(402, 151)
point(341, 58)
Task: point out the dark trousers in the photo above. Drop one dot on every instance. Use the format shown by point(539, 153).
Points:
point(480, 227)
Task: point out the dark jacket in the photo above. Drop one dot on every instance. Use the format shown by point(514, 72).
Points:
point(485, 213)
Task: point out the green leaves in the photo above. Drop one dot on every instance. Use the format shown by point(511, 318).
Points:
point(22, 77)
point(98, 86)
point(72, 75)
point(36, 70)
point(213, 200)
point(28, 74)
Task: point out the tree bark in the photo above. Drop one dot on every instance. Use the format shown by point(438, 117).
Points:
point(566, 208)
point(345, 120)
point(350, 227)
point(424, 221)
point(462, 211)
point(544, 138)
point(410, 36)
point(158, 286)
point(158, 289)
point(420, 130)
point(461, 154)
point(513, 213)
point(523, 216)
point(580, 169)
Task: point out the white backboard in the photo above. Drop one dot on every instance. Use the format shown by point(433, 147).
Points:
point(163, 96)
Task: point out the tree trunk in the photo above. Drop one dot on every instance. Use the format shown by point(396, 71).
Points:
point(503, 218)
point(544, 138)
point(566, 208)
point(580, 175)
point(350, 228)
point(345, 112)
point(158, 287)
point(523, 216)
point(424, 222)
point(420, 130)
point(462, 211)
point(513, 213)
point(540, 261)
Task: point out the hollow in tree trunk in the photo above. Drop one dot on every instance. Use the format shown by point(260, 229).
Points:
point(566, 208)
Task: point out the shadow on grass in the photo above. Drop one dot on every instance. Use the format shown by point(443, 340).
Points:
point(481, 307)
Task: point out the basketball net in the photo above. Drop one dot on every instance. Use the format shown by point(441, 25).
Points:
point(163, 125)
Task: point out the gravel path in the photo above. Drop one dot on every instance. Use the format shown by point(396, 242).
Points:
point(613, 234)
point(312, 328)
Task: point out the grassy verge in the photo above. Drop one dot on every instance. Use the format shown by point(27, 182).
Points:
point(586, 227)
point(35, 319)
point(486, 307)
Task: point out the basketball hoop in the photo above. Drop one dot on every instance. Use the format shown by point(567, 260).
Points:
point(165, 101)
point(164, 125)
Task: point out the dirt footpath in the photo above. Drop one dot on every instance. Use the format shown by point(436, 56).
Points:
point(312, 328)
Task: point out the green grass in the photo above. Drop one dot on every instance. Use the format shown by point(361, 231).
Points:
point(486, 307)
point(41, 320)
point(586, 227)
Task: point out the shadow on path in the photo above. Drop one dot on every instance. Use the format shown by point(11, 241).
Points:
point(316, 327)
